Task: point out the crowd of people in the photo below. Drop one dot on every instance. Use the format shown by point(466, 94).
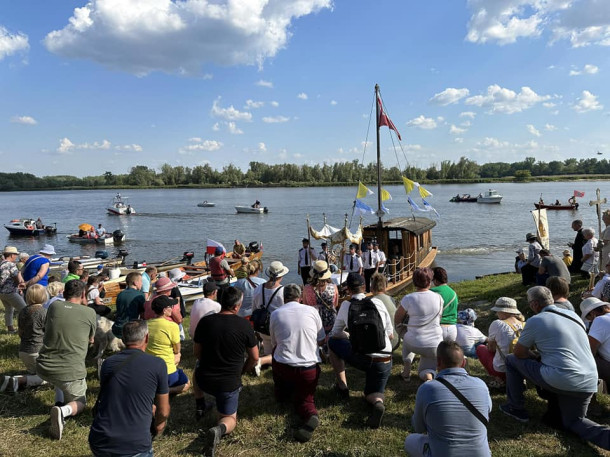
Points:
point(292, 329)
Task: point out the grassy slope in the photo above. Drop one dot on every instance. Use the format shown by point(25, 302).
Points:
point(265, 428)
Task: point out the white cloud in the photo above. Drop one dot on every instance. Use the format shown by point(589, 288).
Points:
point(297, 155)
point(422, 122)
point(333, 102)
point(582, 23)
point(466, 124)
point(549, 127)
point(67, 147)
point(549, 104)
point(262, 147)
point(141, 36)
point(276, 119)
point(453, 130)
point(216, 127)
point(263, 83)
point(492, 143)
point(196, 139)
point(468, 114)
point(251, 104)
point(129, 147)
point(283, 154)
point(458, 140)
point(202, 145)
point(506, 101)
point(230, 113)
point(12, 43)
point(449, 96)
point(587, 102)
point(26, 120)
point(302, 96)
point(274, 104)
point(533, 130)
point(233, 129)
point(586, 70)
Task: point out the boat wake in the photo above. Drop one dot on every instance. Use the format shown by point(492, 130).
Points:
point(470, 251)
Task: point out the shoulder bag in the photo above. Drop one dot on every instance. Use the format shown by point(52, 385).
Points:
point(476, 413)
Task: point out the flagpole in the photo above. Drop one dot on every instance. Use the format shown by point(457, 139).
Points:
point(379, 222)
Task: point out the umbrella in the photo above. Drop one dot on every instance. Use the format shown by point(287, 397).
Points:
point(86, 227)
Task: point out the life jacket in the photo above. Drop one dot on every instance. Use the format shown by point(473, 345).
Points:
point(218, 273)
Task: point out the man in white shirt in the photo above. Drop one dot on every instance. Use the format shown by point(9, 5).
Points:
point(598, 313)
point(381, 259)
point(100, 231)
point(377, 364)
point(204, 306)
point(352, 262)
point(296, 333)
point(307, 255)
point(599, 286)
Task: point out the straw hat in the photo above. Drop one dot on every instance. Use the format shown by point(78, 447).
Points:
point(10, 250)
point(276, 270)
point(320, 270)
point(164, 284)
point(506, 305)
point(588, 305)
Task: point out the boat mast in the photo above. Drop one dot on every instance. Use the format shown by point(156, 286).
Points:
point(379, 212)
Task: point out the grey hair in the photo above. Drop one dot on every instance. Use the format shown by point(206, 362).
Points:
point(134, 331)
point(540, 294)
point(588, 231)
point(292, 292)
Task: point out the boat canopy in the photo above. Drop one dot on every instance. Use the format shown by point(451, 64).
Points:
point(415, 225)
point(335, 235)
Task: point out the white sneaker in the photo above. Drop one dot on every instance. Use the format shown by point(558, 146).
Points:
point(257, 368)
point(57, 423)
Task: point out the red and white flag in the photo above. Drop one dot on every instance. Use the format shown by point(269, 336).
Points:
point(212, 245)
point(385, 120)
point(579, 194)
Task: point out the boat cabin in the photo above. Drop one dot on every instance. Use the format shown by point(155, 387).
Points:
point(407, 243)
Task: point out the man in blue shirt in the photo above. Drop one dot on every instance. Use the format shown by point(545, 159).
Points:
point(563, 369)
point(452, 430)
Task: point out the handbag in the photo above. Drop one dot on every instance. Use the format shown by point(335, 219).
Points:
point(261, 316)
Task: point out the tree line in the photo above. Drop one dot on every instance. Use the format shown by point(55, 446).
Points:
point(343, 173)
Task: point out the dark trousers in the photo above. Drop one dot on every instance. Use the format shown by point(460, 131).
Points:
point(305, 274)
point(368, 273)
point(528, 274)
point(298, 383)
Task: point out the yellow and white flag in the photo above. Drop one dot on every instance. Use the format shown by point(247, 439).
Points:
point(363, 191)
point(385, 195)
point(409, 185)
point(542, 227)
point(424, 193)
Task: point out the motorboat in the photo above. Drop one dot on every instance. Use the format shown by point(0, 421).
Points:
point(251, 210)
point(557, 207)
point(28, 227)
point(489, 196)
point(120, 207)
point(116, 237)
point(463, 198)
point(206, 204)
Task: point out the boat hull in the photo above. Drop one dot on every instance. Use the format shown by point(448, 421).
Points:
point(250, 210)
point(556, 207)
point(106, 240)
point(22, 231)
point(27, 227)
point(489, 200)
point(206, 205)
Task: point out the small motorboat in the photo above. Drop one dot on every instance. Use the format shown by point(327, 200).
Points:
point(557, 207)
point(116, 237)
point(120, 207)
point(28, 227)
point(251, 210)
point(490, 196)
point(463, 198)
point(206, 204)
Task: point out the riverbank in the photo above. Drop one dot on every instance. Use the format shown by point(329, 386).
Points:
point(265, 428)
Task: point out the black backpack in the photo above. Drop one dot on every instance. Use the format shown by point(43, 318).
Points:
point(365, 326)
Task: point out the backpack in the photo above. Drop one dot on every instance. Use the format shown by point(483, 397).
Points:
point(365, 326)
point(515, 340)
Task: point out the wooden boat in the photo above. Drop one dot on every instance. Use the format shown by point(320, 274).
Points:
point(119, 206)
point(116, 237)
point(490, 196)
point(251, 210)
point(206, 204)
point(557, 207)
point(27, 227)
point(463, 198)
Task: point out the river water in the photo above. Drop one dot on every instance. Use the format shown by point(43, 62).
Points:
point(473, 239)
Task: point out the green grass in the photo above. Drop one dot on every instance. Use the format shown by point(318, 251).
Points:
point(265, 428)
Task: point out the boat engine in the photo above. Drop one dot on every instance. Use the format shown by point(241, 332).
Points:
point(121, 255)
point(187, 257)
point(254, 247)
point(118, 236)
point(101, 254)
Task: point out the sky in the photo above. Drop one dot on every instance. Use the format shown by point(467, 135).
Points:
point(103, 85)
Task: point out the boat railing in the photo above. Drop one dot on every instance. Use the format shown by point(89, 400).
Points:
point(401, 268)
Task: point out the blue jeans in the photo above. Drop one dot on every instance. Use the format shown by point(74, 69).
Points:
point(377, 373)
point(572, 405)
point(148, 453)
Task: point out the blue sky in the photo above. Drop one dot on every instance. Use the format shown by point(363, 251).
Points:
point(89, 87)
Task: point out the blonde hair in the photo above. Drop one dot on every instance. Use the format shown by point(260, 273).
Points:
point(36, 295)
point(55, 288)
point(378, 283)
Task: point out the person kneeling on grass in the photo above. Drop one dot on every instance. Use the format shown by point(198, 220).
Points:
point(133, 402)
point(367, 348)
point(296, 334)
point(219, 344)
point(451, 412)
point(164, 342)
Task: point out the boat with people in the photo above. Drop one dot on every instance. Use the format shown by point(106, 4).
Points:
point(556, 207)
point(30, 227)
point(489, 196)
point(407, 241)
point(206, 204)
point(120, 207)
point(251, 209)
point(108, 238)
point(463, 198)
